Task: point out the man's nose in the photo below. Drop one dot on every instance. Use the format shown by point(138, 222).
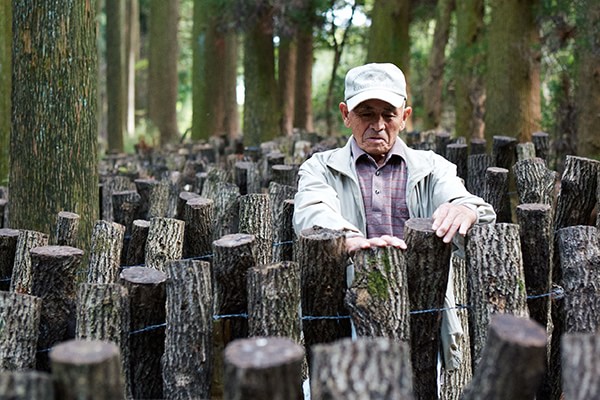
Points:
point(378, 122)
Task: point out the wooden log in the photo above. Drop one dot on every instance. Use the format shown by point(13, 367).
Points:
point(247, 177)
point(525, 151)
point(368, 368)
point(198, 231)
point(8, 249)
point(377, 298)
point(164, 243)
point(67, 228)
point(503, 151)
point(457, 153)
point(249, 363)
point(144, 188)
point(580, 375)
point(577, 195)
point(3, 212)
point(160, 200)
point(187, 361)
point(285, 174)
point(273, 158)
point(512, 362)
point(87, 369)
point(255, 219)
point(476, 166)
point(53, 279)
point(578, 274)
point(496, 281)
point(26, 385)
point(478, 146)
point(136, 249)
point(283, 230)
point(226, 210)
point(112, 184)
point(21, 273)
point(496, 193)
point(541, 142)
point(182, 199)
point(105, 252)
point(125, 204)
point(427, 265)
point(146, 288)
point(214, 178)
point(535, 183)
point(19, 327)
point(442, 139)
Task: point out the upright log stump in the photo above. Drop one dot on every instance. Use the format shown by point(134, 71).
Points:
point(477, 164)
point(105, 252)
point(87, 369)
point(504, 151)
point(283, 230)
point(541, 142)
point(8, 250)
point(26, 385)
point(165, 242)
point(125, 205)
point(250, 363)
point(368, 368)
point(226, 210)
point(144, 188)
point(255, 219)
point(21, 273)
point(457, 153)
point(19, 329)
point(136, 249)
point(581, 370)
point(67, 229)
point(535, 183)
point(198, 214)
point(496, 193)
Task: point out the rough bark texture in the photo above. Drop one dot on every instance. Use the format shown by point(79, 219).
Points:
point(283, 230)
point(535, 183)
point(303, 113)
point(144, 188)
point(525, 151)
point(368, 368)
point(187, 362)
point(116, 74)
point(285, 174)
point(578, 274)
point(504, 151)
point(247, 177)
point(478, 146)
point(165, 242)
point(496, 193)
point(541, 142)
point(249, 363)
point(496, 279)
point(457, 153)
point(199, 219)
point(125, 204)
point(581, 371)
point(26, 385)
point(19, 327)
point(67, 229)
point(287, 81)
point(226, 210)
point(182, 199)
point(54, 280)
point(378, 296)
point(476, 166)
point(21, 273)
point(146, 288)
point(86, 369)
point(255, 219)
point(105, 252)
point(427, 265)
point(322, 257)
point(577, 195)
point(111, 184)
point(136, 248)
point(8, 249)
point(5, 89)
point(3, 212)
point(512, 363)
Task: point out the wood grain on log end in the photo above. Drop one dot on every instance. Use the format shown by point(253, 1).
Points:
point(263, 352)
point(143, 275)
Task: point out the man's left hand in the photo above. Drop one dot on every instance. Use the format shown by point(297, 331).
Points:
point(451, 218)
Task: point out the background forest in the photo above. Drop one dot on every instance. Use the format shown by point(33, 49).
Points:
point(86, 78)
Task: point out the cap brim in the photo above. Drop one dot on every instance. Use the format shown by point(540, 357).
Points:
point(394, 99)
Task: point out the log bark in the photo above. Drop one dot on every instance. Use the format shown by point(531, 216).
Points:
point(26, 385)
point(199, 220)
point(525, 151)
point(321, 254)
point(86, 369)
point(182, 199)
point(226, 210)
point(273, 158)
point(144, 188)
point(442, 139)
point(3, 212)
point(187, 361)
point(541, 142)
point(368, 368)
point(476, 166)
point(247, 177)
point(136, 249)
point(512, 362)
point(8, 250)
point(160, 200)
point(164, 243)
point(478, 146)
point(285, 174)
point(249, 363)
point(105, 252)
point(125, 205)
point(215, 177)
point(496, 193)
point(503, 151)
point(146, 288)
point(67, 228)
point(580, 373)
point(110, 185)
point(427, 265)
point(535, 183)
point(19, 328)
point(457, 153)
point(255, 219)
point(496, 279)
point(21, 273)
point(378, 295)
point(577, 195)
point(283, 230)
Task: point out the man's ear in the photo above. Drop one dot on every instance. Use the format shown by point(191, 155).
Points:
point(344, 111)
point(407, 113)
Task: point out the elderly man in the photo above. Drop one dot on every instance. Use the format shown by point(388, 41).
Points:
point(373, 184)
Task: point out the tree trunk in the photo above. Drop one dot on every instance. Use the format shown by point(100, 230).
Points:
point(5, 88)
point(288, 56)
point(255, 219)
point(54, 127)
point(21, 274)
point(136, 249)
point(199, 220)
point(8, 250)
point(164, 243)
point(116, 74)
point(580, 366)
point(535, 183)
point(26, 385)
point(303, 113)
point(132, 54)
point(20, 316)
point(67, 229)
point(105, 253)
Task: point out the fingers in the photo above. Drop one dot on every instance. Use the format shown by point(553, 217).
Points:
point(449, 219)
point(357, 243)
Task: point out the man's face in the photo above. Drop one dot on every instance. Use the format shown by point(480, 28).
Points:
point(375, 125)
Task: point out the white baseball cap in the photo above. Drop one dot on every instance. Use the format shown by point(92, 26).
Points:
point(375, 81)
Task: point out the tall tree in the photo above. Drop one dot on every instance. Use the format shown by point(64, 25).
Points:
point(303, 114)
point(132, 53)
point(231, 123)
point(434, 84)
point(5, 86)
point(261, 112)
point(54, 128)
point(468, 59)
point(162, 68)
point(286, 76)
point(116, 74)
point(513, 70)
point(587, 87)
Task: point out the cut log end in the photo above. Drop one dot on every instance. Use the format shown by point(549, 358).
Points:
point(263, 352)
point(420, 224)
point(513, 329)
point(320, 233)
point(143, 275)
point(56, 251)
point(83, 352)
point(234, 240)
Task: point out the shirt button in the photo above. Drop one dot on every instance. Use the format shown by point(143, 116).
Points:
point(376, 191)
point(377, 173)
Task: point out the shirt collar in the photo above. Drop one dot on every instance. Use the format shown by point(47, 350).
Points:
point(357, 152)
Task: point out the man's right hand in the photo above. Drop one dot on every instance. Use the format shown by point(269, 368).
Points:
point(358, 242)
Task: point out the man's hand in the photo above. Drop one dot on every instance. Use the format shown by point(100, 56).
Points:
point(451, 218)
point(357, 243)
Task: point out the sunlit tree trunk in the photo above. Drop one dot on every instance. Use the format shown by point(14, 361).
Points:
point(587, 98)
point(469, 58)
point(513, 70)
point(5, 87)
point(132, 40)
point(162, 68)
point(287, 81)
point(54, 127)
point(116, 74)
point(303, 114)
point(231, 122)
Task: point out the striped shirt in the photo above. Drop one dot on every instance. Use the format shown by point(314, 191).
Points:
point(383, 190)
